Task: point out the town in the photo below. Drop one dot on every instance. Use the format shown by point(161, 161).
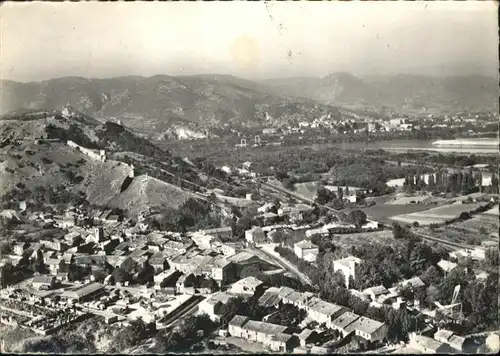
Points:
point(249, 178)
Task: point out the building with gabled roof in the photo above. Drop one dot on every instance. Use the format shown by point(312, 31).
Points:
point(368, 329)
point(323, 312)
point(343, 321)
point(273, 336)
point(212, 306)
point(85, 292)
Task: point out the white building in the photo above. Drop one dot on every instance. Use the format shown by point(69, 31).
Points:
point(347, 266)
point(306, 250)
point(246, 287)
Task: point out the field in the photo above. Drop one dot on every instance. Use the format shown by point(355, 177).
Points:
point(477, 230)
point(385, 212)
point(438, 215)
point(345, 241)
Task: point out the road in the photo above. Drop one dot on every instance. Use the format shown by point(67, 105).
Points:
point(285, 264)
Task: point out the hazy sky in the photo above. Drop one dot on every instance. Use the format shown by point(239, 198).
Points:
point(253, 40)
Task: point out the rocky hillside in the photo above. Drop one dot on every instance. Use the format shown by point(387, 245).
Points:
point(156, 103)
point(460, 92)
point(38, 164)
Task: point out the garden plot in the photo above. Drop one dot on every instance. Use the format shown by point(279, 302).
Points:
point(437, 215)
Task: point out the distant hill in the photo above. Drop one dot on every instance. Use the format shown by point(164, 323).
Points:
point(156, 103)
point(459, 92)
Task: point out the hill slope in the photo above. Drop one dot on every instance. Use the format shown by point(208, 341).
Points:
point(458, 92)
point(156, 103)
point(38, 164)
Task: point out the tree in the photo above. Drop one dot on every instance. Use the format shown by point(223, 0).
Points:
point(397, 231)
point(491, 257)
point(357, 217)
point(209, 283)
point(415, 224)
point(190, 281)
point(129, 336)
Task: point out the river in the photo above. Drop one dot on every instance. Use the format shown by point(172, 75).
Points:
point(466, 147)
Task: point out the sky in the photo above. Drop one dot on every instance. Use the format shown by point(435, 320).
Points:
point(251, 40)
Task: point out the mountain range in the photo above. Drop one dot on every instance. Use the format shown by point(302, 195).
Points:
point(154, 104)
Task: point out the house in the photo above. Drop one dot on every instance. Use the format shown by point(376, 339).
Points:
point(291, 296)
point(97, 235)
point(448, 337)
point(306, 250)
point(255, 235)
point(159, 262)
point(271, 335)
point(323, 312)
point(246, 287)
point(343, 321)
point(307, 337)
point(270, 298)
point(43, 282)
point(55, 265)
point(358, 294)
point(368, 329)
point(165, 277)
point(348, 267)
point(203, 240)
point(427, 345)
point(414, 283)
point(375, 292)
point(221, 269)
point(221, 232)
point(212, 306)
point(354, 198)
point(446, 266)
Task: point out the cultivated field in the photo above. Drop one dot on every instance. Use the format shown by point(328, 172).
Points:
point(438, 215)
point(475, 231)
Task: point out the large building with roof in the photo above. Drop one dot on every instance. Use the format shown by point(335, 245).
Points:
point(275, 337)
point(84, 293)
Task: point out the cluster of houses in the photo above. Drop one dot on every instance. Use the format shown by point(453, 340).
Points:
point(284, 338)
